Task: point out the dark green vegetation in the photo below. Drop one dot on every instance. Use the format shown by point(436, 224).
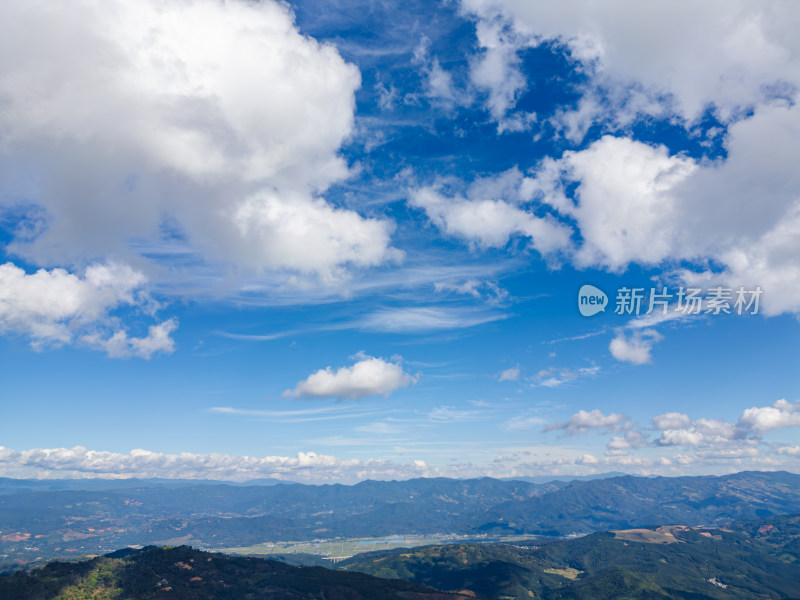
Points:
point(749, 560)
point(42, 525)
point(177, 573)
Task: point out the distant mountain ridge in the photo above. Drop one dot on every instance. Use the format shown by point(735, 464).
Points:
point(566, 478)
point(42, 525)
point(18, 486)
point(10, 485)
point(619, 502)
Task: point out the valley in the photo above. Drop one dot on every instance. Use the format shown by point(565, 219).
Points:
point(37, 526)
point(745, 560)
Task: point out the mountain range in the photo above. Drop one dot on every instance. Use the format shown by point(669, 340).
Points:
point(41, 525)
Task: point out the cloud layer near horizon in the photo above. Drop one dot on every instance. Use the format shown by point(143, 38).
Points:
point(681, 445)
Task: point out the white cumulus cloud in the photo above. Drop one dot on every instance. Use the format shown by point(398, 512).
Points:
point(311, 235)
point(583, 421)
point(671, 420)
point(496, 72)
point(219, 120)
point(121, 345)
point(492, 212)
point(624, 205)
point(56, 307)
point(679, 430)
point(511, 374)
point(631, 439)
point(634, 348)
point(654, 47)
point(635, 203)
point(369, 376)
point(779, 415)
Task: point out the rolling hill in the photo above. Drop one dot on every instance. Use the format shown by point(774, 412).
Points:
point(746, 560)
point(183, 573)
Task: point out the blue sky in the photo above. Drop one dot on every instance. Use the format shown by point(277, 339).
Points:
point(329, 241)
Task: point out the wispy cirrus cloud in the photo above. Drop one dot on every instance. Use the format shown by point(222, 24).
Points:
point(411, 319)
point(426, 319)
point(525, 423)
point(451, 414)
point(489, 291)
point(557, 376)
point(310, 415)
